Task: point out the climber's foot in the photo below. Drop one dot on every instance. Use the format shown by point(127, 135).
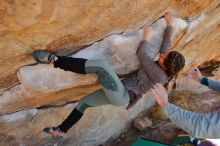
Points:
point(54, 131)
point(44, 57)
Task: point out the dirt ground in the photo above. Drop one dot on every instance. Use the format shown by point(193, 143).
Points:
point(165, 133)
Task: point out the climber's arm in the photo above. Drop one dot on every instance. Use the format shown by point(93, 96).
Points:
point(200, 125)
point(166, 43)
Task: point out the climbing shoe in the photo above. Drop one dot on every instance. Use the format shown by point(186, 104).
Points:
point(43, 57)
point(56, 132)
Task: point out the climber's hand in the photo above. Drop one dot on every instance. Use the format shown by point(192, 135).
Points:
point(169, 18)
point(160, 94)
point(146, 33)
point(195, 74)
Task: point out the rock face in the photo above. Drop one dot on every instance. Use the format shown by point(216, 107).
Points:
point(36, 96)
point(52, 25)
point(116, 49)
point(96, 126)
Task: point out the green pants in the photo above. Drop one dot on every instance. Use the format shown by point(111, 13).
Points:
point(112, 92)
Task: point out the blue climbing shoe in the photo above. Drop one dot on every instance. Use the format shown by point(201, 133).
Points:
point(43, 57)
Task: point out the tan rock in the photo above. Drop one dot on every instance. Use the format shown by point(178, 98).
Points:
point(97, 125)
point(67, 26)
point(46, 78)
point(118, 50)
point(19, 98)
point(201, 42)
point(28, 25)
point(41, 83)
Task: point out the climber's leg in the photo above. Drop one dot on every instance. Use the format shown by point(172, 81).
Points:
point(111, 84)
point(96, 98)
point(109, 81)
point(111, 93)
point(76, 65)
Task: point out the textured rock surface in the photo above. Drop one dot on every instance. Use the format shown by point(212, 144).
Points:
point(29, 25)
point(54, 24)
point(118, 50)
point(95, 127)
point(69, 25)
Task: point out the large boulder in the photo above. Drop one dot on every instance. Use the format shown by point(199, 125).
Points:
point(36, 96)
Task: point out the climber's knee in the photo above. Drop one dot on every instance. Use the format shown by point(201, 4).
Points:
point(82, 107)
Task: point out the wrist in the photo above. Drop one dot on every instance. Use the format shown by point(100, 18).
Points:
point(164, 103)
point(162, 106)
point(170, 24)
point(146, 38)
point(204, 81)
point(200, 78)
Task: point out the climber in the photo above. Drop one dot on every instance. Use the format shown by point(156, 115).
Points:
point(114, 91)
point(199, 125)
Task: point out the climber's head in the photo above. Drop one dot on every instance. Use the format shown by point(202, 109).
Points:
point(172, 63)
point(162, 59)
